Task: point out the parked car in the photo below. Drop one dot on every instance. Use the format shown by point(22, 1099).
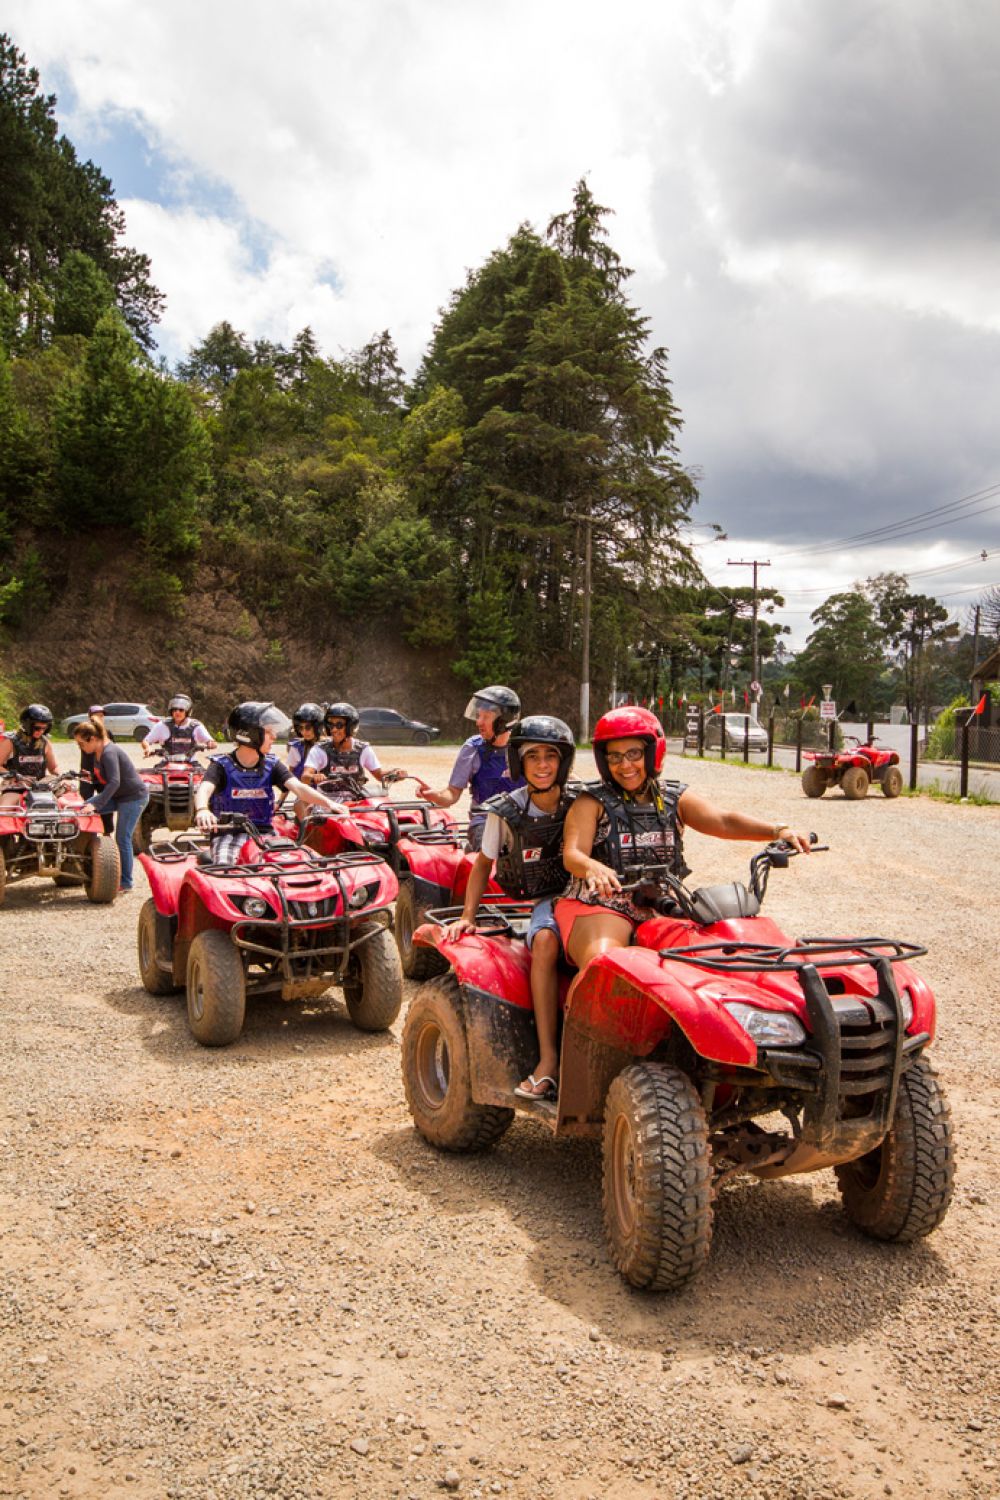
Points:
point(125, 720)
point(384, 726)
point(734, 732)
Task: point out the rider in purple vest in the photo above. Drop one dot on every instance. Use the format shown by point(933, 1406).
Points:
point(481, 764)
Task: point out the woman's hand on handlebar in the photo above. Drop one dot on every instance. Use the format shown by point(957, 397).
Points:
point(600, 880)
point(801, 842)
point(205, 818)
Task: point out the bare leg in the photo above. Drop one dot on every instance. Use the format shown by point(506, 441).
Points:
point(590, 936)
point(545, 999)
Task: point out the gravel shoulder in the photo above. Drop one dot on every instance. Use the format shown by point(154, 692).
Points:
point(240, 1273)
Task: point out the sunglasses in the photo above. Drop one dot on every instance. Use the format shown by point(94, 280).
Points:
point(336, 723)
point(627, 757)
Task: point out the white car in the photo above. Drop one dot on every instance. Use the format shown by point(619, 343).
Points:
point(734, 732)
point(126, 721)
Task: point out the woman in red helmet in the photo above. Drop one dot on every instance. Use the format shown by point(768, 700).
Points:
point(633, 818)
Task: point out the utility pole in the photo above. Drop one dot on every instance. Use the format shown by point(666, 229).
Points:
point(585, 665)
point(975, 640)
point(755, 564)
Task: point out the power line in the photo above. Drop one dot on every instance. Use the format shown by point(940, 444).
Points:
point(966, 562)
point(905, 527)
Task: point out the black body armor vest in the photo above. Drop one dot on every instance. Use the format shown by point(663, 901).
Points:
point(180, 738)
point(28, 758)
point(640, 833)
point(532, 866)
point(344, 768)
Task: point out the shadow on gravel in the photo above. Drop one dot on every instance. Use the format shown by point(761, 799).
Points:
point(273, 1030)
point(787, 1272)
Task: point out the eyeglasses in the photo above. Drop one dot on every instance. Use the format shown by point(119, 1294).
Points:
point(627, 757)
point(336, 723)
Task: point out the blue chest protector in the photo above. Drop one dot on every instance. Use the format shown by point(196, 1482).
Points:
point(301, 748)
point(491, 778)
point(249, 792)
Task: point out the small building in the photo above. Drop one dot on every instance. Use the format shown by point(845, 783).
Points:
point(984, 730)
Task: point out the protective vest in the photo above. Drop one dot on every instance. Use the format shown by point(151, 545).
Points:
point(297, 762)
point(180, 737)
point(28, 758)
point(249, 792)
point(490, 779)
point(637, 834)
point(532, 866)
point(344, 766)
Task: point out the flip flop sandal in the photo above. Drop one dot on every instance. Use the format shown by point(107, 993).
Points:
point(550, 1091)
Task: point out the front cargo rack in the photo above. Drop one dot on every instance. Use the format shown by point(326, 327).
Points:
point(754, 958)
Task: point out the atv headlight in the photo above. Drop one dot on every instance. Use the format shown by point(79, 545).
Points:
point(768, 1028)
point(362, 895)
point(906, 999)
point(68, 830)
point(253, 906)
point(39, 830)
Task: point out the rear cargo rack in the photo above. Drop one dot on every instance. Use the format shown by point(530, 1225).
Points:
point(502, 917)
point(754, 958)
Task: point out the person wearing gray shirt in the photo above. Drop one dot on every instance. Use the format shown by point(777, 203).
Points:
point(118, 788)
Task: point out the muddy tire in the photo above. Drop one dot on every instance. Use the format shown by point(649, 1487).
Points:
point(142, 833)
point(436, 1075)
point(104, 871)
point(418, 963)
point(216, 989)
point(902, 1189)
point(373, 985)
point(813, 782)
point(855, 783)
point(657, 1186)
point(154, 980)
point(892, 782)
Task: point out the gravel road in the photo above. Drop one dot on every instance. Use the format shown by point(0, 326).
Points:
point(240, 1273)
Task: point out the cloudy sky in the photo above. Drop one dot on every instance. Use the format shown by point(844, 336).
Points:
point(807, 189)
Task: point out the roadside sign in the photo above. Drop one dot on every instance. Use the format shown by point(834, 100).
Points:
point(828, 709)
point(755, 688)
point(692, 721)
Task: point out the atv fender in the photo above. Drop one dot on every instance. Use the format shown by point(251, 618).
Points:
point(165, 881)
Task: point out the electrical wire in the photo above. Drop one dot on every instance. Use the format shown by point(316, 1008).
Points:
point(896, 530)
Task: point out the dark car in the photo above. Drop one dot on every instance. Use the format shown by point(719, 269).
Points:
point(384, 726)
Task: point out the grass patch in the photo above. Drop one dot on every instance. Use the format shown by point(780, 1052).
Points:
point(941, 794)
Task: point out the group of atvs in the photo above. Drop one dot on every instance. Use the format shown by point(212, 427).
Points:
point(714, 1045)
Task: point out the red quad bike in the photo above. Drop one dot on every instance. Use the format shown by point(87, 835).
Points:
point(172, 784)
point(374, 823)
point(282, 921)
point(675, 1049)
point(434, 869)
point(854, 769)
point(47, 833)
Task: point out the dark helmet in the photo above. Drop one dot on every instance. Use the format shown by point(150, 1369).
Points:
point(345, 711)
point(540, 729)
point(247, 722)
point(503, 701)
point(630, 723)
point(179, 700)
point(308, 713)
point(36, 713)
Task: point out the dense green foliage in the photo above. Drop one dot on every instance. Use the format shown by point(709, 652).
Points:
point(531, 471)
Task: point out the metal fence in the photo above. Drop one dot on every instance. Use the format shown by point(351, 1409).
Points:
point(961, 759)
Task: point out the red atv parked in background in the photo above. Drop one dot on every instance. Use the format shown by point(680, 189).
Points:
point(172, 784)
point(675, 1050)
point(854, 769)
point(434, 869)
point(44, 831)
point(282, 921)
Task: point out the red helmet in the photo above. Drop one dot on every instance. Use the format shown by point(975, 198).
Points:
point(630, 723)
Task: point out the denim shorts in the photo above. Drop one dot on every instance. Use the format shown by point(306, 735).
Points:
point(541, 918)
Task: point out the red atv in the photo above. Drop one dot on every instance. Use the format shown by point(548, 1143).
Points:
point(44, 831)
point(172, 784)
point(434, 868)
point(282, 921)
point(374, 823)
point(675, 1050)
point(854, 769)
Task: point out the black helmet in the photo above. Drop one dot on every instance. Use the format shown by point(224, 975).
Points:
point(179, 700)
point(308, 713)
point(36, 713)
point(345, 711)
point(504, 702)
point(247, 722)
point(540, 729)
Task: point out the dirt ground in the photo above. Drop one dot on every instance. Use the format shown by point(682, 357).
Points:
point(240, 1273)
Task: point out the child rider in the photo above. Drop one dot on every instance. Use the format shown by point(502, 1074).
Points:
point(523, 833)
point(481, 763)
point(342, 759)
point(244, 780)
